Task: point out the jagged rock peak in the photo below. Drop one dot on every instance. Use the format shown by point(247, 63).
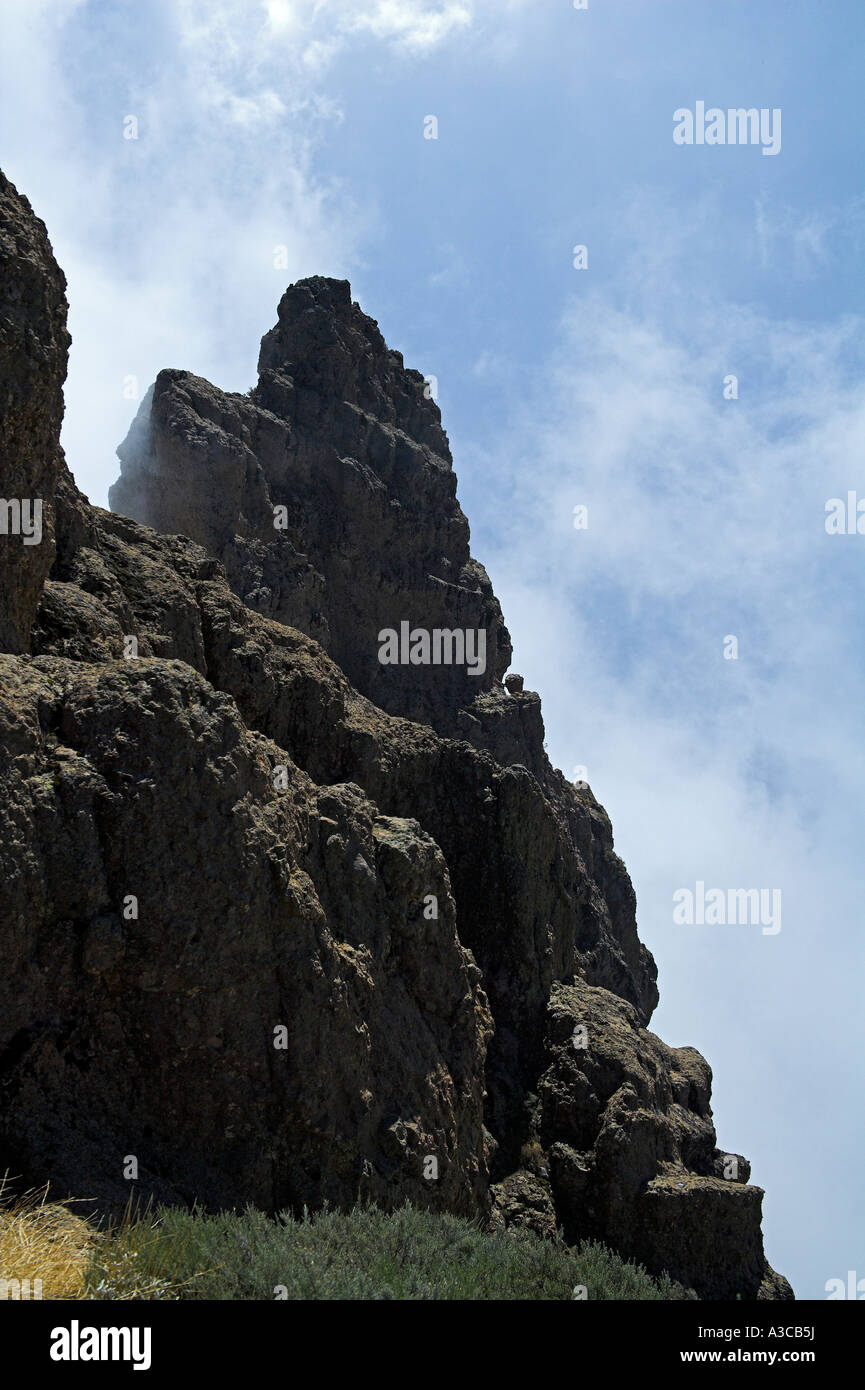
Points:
point(333, 351)
point(328, 494)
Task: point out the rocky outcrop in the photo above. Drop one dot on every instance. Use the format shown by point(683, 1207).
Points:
point(33, 347)
point(329, 496)
point(284, 923)
point(626, 1126)
point(254, 1005)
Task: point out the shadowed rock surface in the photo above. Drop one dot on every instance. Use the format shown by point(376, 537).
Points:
point(344, 438)
point(33, 348)
point(279, 920)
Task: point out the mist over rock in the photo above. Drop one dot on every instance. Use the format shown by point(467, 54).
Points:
point(281, 922)
point(348, 442)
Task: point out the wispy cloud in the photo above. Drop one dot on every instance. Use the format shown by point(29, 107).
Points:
point(177, 242)
point(706, 518)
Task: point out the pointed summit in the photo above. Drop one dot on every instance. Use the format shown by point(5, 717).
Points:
point(329, 495)
point(335, 354)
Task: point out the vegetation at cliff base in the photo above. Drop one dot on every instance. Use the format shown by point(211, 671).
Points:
point(368, 1254)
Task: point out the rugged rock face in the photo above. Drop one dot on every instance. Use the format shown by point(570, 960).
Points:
point(342, 437)
point(33, 347)
point(281, 922)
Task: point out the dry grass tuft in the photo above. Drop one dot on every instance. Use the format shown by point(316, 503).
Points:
point(73, 1259)
point(42, 1240)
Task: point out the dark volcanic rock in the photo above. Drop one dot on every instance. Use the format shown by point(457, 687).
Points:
point(284, 923)
point(33, 347)
point(342, 437)
point(627, 1125)
point(150, 1030)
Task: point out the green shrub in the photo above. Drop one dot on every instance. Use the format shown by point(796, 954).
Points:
point(363, 1254)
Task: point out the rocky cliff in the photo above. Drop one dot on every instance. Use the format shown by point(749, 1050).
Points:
point(283, 921)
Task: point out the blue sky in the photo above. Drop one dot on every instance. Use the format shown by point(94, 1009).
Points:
point(300, 124)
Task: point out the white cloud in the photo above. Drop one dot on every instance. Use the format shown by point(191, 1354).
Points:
point(706, 517)
point(412, 24)
point(312, 33)
point(806, 244)
point(168, 241)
